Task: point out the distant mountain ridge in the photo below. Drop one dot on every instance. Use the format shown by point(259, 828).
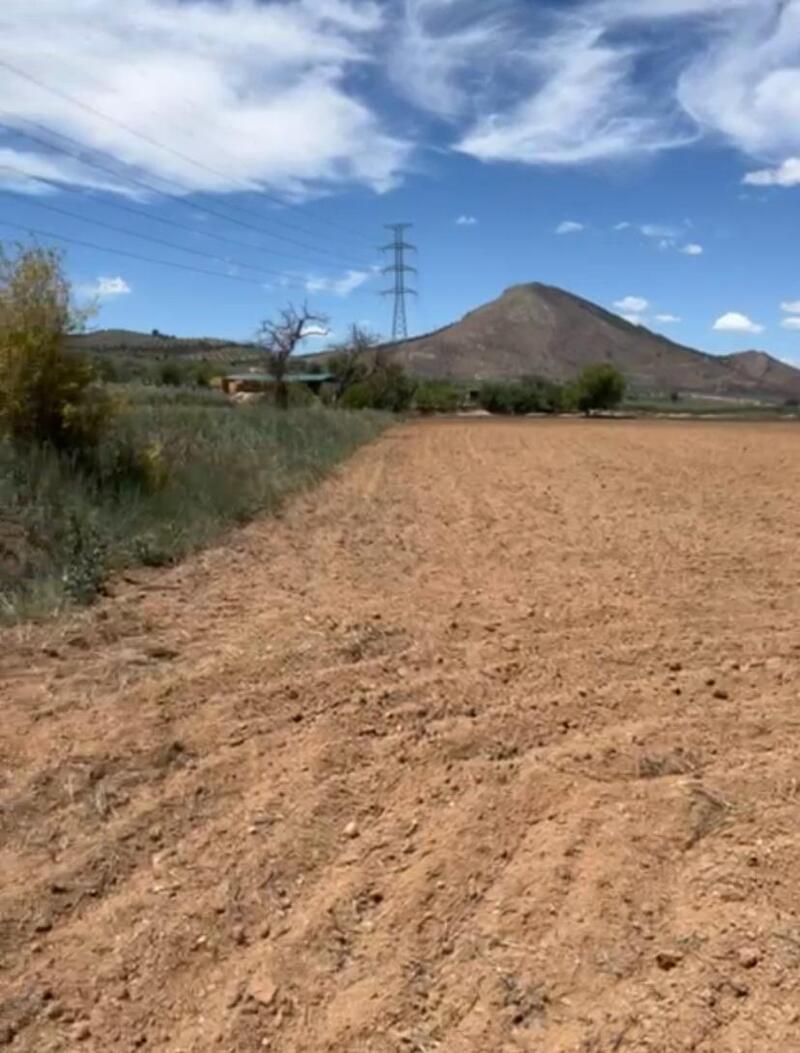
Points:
point(540, 329)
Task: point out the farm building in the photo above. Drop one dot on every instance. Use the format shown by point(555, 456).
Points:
point(264, 383)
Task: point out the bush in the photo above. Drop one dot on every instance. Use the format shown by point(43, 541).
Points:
point(598, 387)
point(518, 397)
point(437, 396)
point(386, 388)
point(47, 393)
point(205, 466)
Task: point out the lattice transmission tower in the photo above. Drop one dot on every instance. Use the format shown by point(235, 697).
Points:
point(399, 268)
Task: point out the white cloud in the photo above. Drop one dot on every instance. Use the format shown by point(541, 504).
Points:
point(551, 84)
point(580, 104)
point(107, 288)
point(261, 94)
point(791, 323)
point(624, 225)
point(734, 322)
point(667, 319)
point(659, 231)
point(632, 304)
point(786, 174)
point(466, 221)
point(692, 249)
point(634, 319)
point(343, 286)
point(569, 226)
point(791, 306)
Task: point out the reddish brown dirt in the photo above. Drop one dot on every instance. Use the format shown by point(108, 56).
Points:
point(490, 744)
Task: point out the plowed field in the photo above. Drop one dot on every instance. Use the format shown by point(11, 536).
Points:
point(489, 744)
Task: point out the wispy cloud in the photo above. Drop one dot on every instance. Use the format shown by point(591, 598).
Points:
point(632, 304)
point(791, 323)
point(791, 306)
point(259, 94)
point(343, 286)
point(667, 319)
point(735, 322)
point(466, 221)
point(692, 249)
point(570, 226)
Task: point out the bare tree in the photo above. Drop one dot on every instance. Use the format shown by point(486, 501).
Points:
point(280, 338)
point(353, 359)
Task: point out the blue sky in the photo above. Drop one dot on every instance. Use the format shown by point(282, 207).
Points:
point(643, 155)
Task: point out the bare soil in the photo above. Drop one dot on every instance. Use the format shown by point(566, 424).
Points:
point(489, 744)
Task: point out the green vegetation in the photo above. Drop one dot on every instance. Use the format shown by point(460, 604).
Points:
point(528, 395)
point(95, 477)
point(206, 464)
point(385, 387)
point(47, 395)
point(599, 387)
point(438, 396)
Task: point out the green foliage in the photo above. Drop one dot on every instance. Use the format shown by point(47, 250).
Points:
point(385, 388)
point(170, 373)
point(437, 396)
point(598, 387)
point(167, 478)
point(85, 568)
point(47, 393)
point(528, 395)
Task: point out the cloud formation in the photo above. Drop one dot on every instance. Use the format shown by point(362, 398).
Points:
point(786, 174)
point(632, 304)
point(791, 306)
point(791, 323)
point(735, 322)
point(343, 286)
point(258, 94)
point(466, 221)
point(569, 226)
point(692, 249)
point(107, 288)
point(667, 319)
point(301, 96)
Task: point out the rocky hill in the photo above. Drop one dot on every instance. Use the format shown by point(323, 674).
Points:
point(539, 329)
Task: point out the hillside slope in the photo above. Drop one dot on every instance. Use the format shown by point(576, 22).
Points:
point(762, 369)
point(539, 329)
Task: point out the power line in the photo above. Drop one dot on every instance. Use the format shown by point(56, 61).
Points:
point(145, 237)
point(399, 268)
point(146, 185)
point(158, 145)
point(159, 219)
point(130, 255)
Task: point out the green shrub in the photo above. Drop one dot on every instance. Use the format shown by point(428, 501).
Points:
point(386, 388)
point(527, 395)
point(598, 387)
point(437, 396)
point(47, 393)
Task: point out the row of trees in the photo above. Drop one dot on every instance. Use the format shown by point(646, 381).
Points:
point(364, 378)
point(49, 395)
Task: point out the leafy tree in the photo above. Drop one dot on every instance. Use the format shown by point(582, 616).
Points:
point(598, 387)
point(354, 359)
point(47, 394)
point(387, 387)
point(279, 340)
